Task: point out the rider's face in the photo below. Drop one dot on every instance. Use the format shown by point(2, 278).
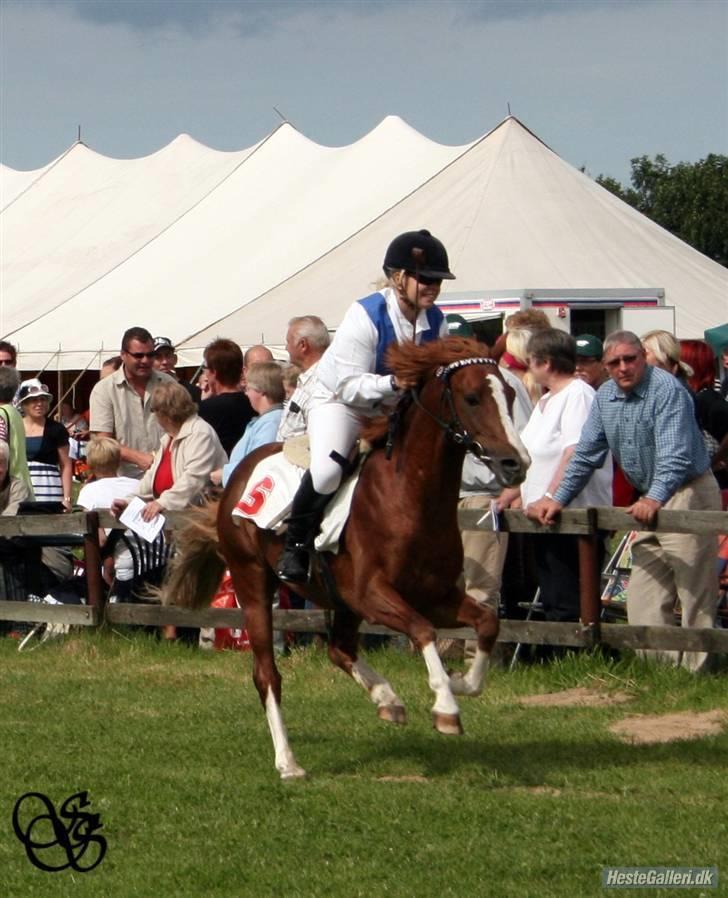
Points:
point(424, 291)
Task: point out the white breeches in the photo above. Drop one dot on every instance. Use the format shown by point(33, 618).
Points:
point(332, 426)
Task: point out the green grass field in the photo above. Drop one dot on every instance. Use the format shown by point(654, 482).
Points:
point(174, 751)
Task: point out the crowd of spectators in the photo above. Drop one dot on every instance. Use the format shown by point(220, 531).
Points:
point(641, 423)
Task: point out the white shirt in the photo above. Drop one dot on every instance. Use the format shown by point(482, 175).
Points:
point(346, 368)
point(555, 425)
point(100, 494)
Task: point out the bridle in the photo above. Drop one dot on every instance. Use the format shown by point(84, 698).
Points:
point(454, 429)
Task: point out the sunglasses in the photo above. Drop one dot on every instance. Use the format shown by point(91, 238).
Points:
point(424, 280)
point(41, 392)
point(627, 359)
point(7, 362)
point(140, 355)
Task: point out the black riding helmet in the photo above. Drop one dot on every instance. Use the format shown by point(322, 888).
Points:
point(418, 252)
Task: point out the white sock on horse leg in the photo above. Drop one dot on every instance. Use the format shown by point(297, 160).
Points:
point(439, 682)
point(471, 683)
point(379, 689)
point(285, 762)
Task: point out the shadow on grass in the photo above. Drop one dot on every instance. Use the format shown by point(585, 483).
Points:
point(521, 763)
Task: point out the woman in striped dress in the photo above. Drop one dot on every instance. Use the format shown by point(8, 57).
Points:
point(46, 444)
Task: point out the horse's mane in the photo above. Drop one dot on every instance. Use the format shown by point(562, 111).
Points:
point(418, 363)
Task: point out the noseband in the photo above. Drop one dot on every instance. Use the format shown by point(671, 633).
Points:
point(454, 428)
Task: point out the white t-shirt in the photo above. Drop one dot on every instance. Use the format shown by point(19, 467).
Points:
point(100, 494)
point(555, 424)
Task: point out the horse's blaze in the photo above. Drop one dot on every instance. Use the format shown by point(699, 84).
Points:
point(519, 450)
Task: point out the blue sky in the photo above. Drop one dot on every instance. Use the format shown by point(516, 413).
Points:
point(600, 81)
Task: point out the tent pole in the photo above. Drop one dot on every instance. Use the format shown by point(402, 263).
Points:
point(76, 380)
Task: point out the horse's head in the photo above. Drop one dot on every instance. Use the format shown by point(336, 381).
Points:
point(474, 404)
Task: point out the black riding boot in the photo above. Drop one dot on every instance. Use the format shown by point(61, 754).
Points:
point(303, 523)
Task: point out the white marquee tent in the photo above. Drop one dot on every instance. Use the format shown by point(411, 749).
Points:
point(194, 243)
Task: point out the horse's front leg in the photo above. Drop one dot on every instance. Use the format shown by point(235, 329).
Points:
point(253, 589)
point(445, 711)
point(469, 613)
point(384, 605)
point(343, 651)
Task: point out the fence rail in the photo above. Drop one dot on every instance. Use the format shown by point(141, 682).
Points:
point(584, 523)
point(578, 521)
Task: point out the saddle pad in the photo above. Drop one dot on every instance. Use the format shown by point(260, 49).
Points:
point(268, 496)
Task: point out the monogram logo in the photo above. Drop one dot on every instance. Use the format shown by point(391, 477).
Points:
point(56, 840)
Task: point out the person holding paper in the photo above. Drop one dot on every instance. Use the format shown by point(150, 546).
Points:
point(190, 450)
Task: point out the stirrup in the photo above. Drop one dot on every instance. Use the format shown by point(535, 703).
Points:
point(294, 564)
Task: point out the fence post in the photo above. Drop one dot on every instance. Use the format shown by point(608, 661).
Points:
point(92, 557)
point(590, 578)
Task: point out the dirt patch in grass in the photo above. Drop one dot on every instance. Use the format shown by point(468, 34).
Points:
point(577, 697)
point(646, 729)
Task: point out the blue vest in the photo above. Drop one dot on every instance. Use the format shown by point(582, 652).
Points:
point(375, 306)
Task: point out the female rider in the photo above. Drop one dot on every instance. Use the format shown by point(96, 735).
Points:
point(353, 380)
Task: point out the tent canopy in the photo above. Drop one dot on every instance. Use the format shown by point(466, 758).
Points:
point(195, 243)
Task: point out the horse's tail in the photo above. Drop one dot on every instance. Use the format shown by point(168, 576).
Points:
point(196, 567)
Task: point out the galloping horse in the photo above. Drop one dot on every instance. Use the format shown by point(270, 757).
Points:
point(400, 555)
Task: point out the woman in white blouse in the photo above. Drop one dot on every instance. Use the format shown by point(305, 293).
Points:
point(552, 432)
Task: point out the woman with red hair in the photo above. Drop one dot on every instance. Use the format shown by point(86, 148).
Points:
point(711, 409)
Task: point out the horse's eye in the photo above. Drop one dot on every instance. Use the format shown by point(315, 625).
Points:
point(472, 399)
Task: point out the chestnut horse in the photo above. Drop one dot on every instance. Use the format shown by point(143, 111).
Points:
point(400, 555)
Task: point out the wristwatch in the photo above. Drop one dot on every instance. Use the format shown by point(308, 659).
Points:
point(393, 383)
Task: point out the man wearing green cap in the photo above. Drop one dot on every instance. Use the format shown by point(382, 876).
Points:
point(589, 368)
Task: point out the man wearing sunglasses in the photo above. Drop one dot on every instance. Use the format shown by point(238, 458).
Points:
point(120, 404)
point(647, 419)
point(8, 354)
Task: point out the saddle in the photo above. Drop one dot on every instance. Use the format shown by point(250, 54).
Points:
point(268, 495)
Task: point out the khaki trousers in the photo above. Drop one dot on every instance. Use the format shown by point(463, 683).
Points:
point(485, 555)
point(670, 566)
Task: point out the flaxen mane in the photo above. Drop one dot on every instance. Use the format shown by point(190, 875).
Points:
point(418, 363)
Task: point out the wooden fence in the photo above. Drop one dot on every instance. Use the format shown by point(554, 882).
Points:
point(82, 527)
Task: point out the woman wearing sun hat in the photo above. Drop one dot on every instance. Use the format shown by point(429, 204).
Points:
point(46, 444)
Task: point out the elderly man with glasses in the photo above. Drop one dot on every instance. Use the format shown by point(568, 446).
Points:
point(121, 404)
point(647, 419)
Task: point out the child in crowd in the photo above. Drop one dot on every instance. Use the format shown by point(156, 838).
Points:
point(104, 457)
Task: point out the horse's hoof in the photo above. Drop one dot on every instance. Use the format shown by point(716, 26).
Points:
point(447, 724)
point(392, 714)
point(292, 773)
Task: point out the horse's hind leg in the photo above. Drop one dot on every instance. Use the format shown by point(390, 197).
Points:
point(343, 651)
point(253, 587)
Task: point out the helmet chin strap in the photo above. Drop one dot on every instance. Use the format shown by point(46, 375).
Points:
point(418, 256)
point(404, 298)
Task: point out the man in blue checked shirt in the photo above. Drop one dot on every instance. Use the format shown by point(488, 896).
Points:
point(646, 418)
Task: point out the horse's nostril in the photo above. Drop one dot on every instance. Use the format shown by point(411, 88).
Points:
point(511, 463)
